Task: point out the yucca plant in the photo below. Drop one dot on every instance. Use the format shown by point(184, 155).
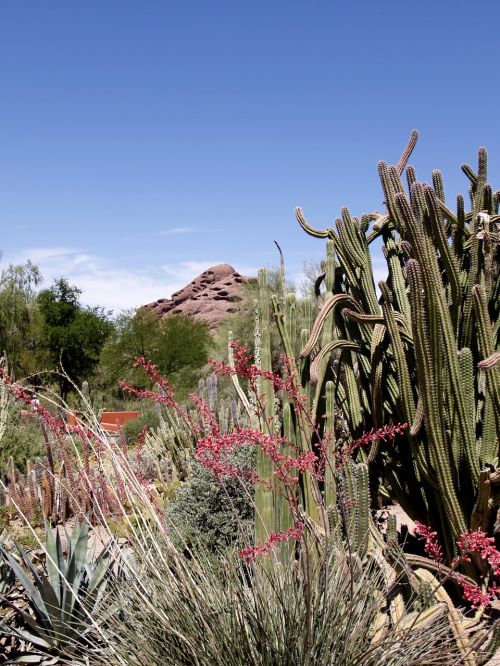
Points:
point(65, 594)
point(227, 613)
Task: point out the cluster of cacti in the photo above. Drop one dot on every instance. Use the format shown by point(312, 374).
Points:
point(74, 477)
point(345, 498)
point(426, 351)
point(56, 494)
point(227, 411)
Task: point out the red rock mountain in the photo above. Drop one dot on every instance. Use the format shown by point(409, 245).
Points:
point(210, 297)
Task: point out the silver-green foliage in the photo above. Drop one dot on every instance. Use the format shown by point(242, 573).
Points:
point(222, 613)
point(64, 594)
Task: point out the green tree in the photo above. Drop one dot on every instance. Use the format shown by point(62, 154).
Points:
point(178, 345)
point(18, 315)
point(72, 335)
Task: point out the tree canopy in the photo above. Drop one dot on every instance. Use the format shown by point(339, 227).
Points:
point(178, 345)
point(72, 335)
point(18, 314)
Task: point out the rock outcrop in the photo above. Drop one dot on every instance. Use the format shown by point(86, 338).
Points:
point(210, 297)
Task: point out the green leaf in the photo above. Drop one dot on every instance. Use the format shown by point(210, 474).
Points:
point(27, 584)
point(53, 548)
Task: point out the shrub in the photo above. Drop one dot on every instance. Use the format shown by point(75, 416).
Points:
point(214, 514)
point(22, 440)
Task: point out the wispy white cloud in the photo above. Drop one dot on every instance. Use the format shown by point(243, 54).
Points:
point(110, 285)
point(177, 230)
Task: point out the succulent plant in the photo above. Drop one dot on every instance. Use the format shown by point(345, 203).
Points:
point(64, 593)
point(425, 351)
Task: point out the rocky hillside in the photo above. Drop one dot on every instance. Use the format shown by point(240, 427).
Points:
point(210, 297)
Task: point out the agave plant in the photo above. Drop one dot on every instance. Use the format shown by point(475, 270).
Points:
point(63, 594)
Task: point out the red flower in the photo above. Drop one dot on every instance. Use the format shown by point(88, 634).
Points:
point(432, 546)
point(252, 552)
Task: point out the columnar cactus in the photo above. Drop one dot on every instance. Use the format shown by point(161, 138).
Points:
point(426, 351)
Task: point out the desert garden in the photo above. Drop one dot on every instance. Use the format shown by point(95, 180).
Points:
point(247, 516)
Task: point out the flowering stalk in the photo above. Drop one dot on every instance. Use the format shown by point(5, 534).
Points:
point(291, 463)
point(469, 543)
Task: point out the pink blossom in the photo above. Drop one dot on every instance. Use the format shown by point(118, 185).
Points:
point(252, 552)
point(432, 546)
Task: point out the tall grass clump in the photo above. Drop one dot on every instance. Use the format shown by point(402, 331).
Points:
point(225, 612)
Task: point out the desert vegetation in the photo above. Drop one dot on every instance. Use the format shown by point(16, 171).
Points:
point(248, 518)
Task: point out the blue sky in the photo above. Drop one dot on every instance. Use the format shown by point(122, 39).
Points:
point(141, 142)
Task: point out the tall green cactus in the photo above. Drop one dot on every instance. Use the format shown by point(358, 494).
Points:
point(267, 519)
point(424, 349)
point(426, 352)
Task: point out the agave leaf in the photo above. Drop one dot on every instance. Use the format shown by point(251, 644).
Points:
point(68, 542)
point(52, 605)
point(53, 564)
point(70, 591)
point(27, 636)
point(99, 572)
point(25, 581)
point(80, 543)
point(75, 568)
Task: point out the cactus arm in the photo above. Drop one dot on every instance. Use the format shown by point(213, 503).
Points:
point(328, 330)
point(473, 277)
point(396, 278)
point(468, 446)
point(403, 160)
point(329, 451)
point(418, 421)
point(487, 345)
point(307, 227)
point(377, 369)
point(328, 349)
point(481, 512)
point(329, 306)
point(447, 256)
point(361, 509)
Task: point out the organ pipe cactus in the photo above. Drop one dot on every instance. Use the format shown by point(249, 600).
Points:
point(425, 349)
point(422, 349)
